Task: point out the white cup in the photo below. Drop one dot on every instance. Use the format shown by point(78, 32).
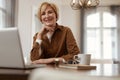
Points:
point(83, 58)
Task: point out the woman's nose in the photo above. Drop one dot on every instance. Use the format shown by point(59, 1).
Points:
point(46, 15)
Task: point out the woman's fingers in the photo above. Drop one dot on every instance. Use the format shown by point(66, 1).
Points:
point(43, 61)
point(44, 31)
point(37, 61)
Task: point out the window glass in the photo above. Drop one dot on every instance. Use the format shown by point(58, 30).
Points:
point(2, 4)
point(109, 43)
point(101, 33)
point(93, 43)
point(93, 20)
point(109, 20)
point(7, 13)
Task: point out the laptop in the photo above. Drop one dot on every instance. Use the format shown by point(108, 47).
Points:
point(11, 55)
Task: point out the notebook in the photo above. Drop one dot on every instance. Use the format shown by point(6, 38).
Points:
point(11, 55)
point(78, 66)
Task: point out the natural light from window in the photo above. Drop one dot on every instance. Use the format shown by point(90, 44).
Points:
point(93, 20)
point(101, 33)
point(109, 20)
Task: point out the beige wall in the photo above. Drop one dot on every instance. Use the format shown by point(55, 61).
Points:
point(68, 17)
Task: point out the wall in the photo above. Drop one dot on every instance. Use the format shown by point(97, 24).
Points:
point(68, 17)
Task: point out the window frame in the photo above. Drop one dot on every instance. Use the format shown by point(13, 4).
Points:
point(84, 31)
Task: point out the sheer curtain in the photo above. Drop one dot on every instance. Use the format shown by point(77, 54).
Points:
point(116, 11)
point(7, 13)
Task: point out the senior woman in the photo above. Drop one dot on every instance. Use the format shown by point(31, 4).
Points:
point(53, 42)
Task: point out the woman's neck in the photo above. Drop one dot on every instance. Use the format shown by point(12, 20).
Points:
point(53, 26)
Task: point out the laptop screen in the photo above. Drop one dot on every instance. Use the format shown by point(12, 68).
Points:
point(10, 49)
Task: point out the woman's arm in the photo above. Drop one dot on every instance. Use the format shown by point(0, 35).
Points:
point(36, 49)
point(71, 45)
point(47, 61)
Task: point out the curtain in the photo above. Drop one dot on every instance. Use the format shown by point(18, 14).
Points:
point(115, 10)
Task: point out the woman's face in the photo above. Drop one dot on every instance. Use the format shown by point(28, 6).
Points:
point(48, 17)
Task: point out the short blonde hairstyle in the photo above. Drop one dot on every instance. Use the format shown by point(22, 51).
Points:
point(42, 8)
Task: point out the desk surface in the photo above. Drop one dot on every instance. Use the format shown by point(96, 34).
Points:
point(14, 74)
point(111, 70)
point(101, 70)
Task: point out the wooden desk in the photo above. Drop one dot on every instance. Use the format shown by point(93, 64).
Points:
point(14, 74)
point(112, 70)
point(102, 70)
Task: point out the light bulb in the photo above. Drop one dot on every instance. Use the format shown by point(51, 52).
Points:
point(81, 4)
point(78, 4)
point(73, 1)
point(88, 3)
point(75, 4)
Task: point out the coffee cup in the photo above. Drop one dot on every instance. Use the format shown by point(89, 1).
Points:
point(83, 59)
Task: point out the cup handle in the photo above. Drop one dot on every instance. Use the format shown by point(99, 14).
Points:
point(76, 58)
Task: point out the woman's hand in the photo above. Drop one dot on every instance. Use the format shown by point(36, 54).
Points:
point(44, 31)
point(44, 61)
point(47, 61)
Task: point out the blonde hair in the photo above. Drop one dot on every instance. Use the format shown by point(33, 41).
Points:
point(42, 8)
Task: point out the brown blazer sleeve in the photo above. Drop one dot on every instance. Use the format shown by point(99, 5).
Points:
point(71, 45)
point(34, 54)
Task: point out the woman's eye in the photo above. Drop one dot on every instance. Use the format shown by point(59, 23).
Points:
point(50, 12)
point(43, 13)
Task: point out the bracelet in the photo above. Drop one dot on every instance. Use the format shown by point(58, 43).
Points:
point(38, 41)
point(56, 59)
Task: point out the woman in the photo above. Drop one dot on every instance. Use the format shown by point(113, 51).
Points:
point(53, 42)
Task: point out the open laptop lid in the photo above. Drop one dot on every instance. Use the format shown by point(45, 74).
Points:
point(10, 49)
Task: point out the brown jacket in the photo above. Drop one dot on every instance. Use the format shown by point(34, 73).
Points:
point(62, 44)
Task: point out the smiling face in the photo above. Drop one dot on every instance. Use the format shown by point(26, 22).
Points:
point(48, 17)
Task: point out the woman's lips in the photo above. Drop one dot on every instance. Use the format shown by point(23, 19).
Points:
point(48, 19)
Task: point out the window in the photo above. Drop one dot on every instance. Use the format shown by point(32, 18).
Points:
point(100, 33)
point(7, 13)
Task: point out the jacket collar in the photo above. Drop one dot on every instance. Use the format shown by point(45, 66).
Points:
point(58, 27)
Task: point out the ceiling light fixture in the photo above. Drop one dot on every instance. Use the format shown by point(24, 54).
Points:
point(78, 4)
